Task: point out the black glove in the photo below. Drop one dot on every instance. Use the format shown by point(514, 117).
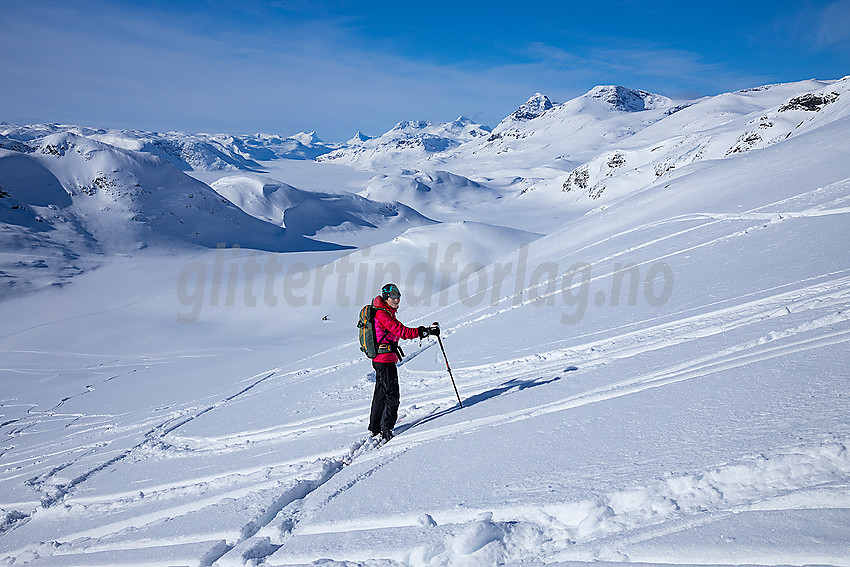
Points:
point(423, 332)
point(434, 330)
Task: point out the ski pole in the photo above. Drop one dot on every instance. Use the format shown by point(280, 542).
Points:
point(449, 368)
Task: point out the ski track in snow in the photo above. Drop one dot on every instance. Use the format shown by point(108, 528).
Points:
point(743, 354)
point(54, 493)
point(570, 530)
point(576, 523)
point(515, 300)
point(831, 295)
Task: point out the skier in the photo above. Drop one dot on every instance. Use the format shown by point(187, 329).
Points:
point(389, 331)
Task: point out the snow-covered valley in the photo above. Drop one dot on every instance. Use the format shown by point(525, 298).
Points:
point(644, 303)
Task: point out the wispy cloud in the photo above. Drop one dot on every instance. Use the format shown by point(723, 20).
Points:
point(816, 27)
point(833, 25)
point(134, 69)
point(136, 65)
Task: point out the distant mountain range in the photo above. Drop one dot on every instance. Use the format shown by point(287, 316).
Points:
point(69, 193)
point(208, 152)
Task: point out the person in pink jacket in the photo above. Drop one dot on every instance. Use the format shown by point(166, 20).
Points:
point(388, 331)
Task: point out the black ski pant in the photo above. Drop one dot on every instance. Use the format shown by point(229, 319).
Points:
point(385, 399)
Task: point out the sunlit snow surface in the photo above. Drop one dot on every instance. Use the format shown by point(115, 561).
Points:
point(655, 374)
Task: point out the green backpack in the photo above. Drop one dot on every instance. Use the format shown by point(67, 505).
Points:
point(366, 331)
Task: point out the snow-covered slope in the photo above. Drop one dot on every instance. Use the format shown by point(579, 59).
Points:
point(425, 260)
point(329, 217)
point(41, 242)
point(204, 152)
point(659, 379)
point(587, 144)
point(715, 128)
point(68, 196)
point(68, 199)
point(438, 192)
point(541, 139)
point(406, 143)
point(263, 147)
point(130, 199)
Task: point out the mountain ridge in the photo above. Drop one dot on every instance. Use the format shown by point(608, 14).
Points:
point(575, 156)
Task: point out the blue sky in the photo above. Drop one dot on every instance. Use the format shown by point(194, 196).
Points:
point(339, 67)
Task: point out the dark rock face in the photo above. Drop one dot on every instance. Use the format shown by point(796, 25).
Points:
point(622, 98)
point(809, 102)
point(535, 107)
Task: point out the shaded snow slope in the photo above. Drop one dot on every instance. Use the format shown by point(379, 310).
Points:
point(424, 261)
point(71, 196)
point(327, 216)
point(41, 242)
point(130, 199)
point(435, 192)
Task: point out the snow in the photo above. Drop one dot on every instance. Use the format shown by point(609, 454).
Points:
point(407, 142)
point(654, 375)
point(533, 108)
point(317, 214)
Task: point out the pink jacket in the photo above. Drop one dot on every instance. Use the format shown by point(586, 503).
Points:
point(389, 329)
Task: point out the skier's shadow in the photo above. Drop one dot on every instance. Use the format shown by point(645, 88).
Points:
point(513, 384)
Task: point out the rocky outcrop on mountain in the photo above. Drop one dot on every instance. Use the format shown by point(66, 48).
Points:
point(810, 102)
point(535, 107)
point(190, 154)
point(720, 127)
point(265, 147)
point(14, 145)
point(627, 100)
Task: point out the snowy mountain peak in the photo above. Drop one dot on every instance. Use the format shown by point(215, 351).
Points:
point(359, 138)
point(406, 125)
point(406, 141)
point(533, 108)
point(91, 152)
point(58, 144)
point(307, 138)
point(462, 121)
point(626, 99)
